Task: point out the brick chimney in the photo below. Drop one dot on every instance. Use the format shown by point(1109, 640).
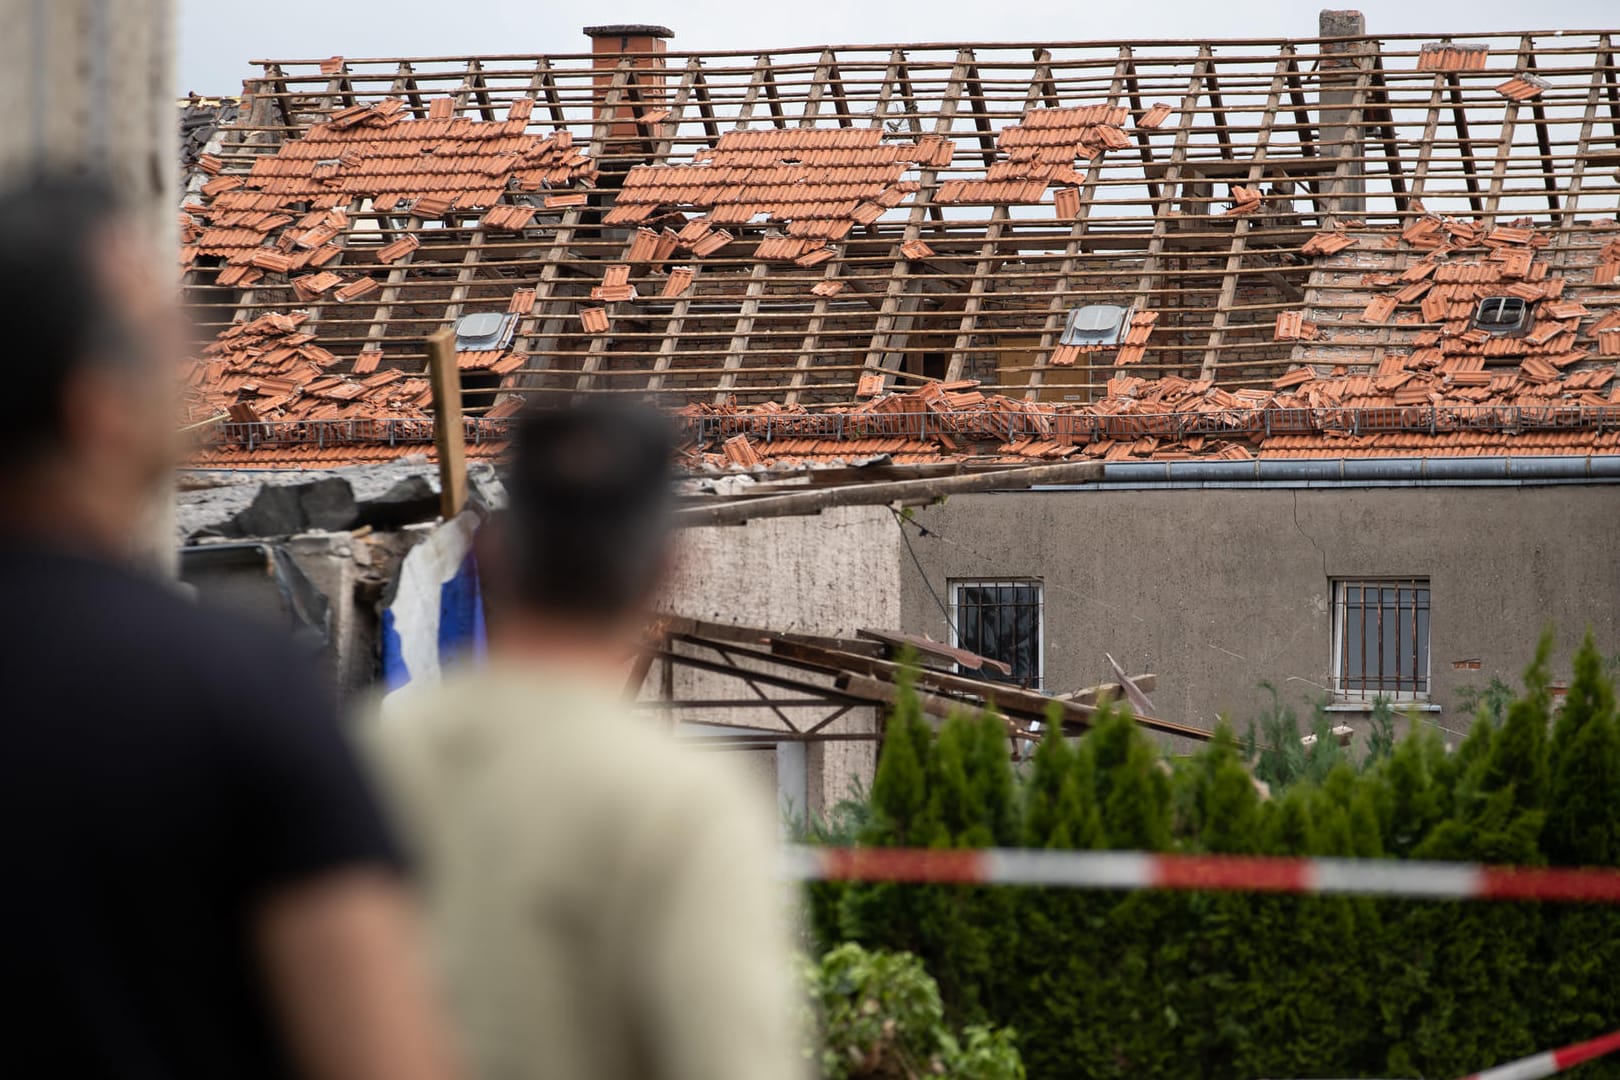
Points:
point(644, 45)
point(1340, 68)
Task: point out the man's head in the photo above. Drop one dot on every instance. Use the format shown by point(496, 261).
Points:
point(584, 541)
point(92, 344)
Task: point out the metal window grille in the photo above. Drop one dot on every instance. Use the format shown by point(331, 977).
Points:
point(1001, 620)
point(1382, 638)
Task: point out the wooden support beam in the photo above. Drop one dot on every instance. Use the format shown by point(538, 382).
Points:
point(1583, 147)
point(1144, 139)
point(670, 342)
point(897, 76)
point(449, 435)
point(405, 88)
point(1165, 206)
point(737, 350)
point(763, 81)
point(882, 354)
point(1504, 146)
point(1459, 121)
point(544, 86)
point(974, 87)
point(1240, 235)
point(882, 494)
point(1538, 116)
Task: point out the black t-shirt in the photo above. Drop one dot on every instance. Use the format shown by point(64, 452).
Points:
point(162, 770)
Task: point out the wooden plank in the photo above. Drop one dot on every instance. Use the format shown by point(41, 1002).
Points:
point(1240, 235)
point(449, 436)
point(881, 355)
point(1583, 146)
point(1504, 147)
point(738, 348)
point(1538, 117)
point(1163, 209)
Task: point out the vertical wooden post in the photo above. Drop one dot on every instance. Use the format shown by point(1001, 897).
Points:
point(448, 435)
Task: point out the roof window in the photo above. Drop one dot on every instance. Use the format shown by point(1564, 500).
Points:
point(484, 330)
point(1096, 324)
point(1502, 315)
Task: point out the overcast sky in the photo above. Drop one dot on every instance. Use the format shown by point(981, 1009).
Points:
point(219, 37)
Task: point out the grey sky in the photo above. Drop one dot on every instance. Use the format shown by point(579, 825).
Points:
point(219, 37)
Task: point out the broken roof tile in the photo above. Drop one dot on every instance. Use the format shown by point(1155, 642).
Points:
point(680, 278)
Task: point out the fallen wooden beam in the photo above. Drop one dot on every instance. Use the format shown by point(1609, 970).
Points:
point(813, 502)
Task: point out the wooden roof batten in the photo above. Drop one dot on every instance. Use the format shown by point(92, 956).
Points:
point(1361, 131)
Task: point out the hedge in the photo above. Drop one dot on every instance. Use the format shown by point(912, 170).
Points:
point(1151, 984)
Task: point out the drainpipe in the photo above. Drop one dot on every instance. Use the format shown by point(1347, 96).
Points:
point(1341, 472)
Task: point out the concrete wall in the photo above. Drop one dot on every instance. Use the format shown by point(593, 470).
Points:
point(1216, 590)
point(831, 574)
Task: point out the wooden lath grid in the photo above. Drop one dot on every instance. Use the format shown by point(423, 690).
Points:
point(1153, 233)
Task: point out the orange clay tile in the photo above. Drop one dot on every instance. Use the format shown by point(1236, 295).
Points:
point(1379, 309)
point(1041, 148)
point(1066, 203)
point(916, 249)
point(871, 385)
point(818, 182)
point(1523, 87)
point(567, 198)
point(397, 250)
point(833, 287)
point(594, 320)
point(522, 302)
point(356, 289)
point(1326, 243)
point(816, 256)
point(712, 241)
point(1445, 56)
point(680, 279)
point(1156, 114)
point(643, 246)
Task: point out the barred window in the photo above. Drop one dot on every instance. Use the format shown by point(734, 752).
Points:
point(1000, 620)
point(1381, 638)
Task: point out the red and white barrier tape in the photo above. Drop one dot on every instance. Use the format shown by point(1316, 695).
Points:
point(1238, 873)
point(1552, 1061)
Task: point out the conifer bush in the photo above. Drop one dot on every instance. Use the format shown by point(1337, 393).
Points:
point(1161, 984)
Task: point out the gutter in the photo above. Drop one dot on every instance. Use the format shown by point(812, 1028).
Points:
point(1354, 472)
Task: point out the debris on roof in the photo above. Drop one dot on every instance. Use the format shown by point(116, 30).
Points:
point(859, 225)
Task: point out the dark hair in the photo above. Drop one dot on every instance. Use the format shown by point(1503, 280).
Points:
point(54, 308)
point(589, 497)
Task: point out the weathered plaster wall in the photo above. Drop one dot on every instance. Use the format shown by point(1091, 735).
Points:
point(1216, 590)
point(831, 574)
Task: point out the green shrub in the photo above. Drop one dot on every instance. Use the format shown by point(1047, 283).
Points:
point(1162, 984)
point(878, 1014)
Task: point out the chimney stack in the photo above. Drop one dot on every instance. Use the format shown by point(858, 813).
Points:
point(643, 44)
point(1341, 126)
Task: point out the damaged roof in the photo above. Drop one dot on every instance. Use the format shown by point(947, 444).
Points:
point(834, 253)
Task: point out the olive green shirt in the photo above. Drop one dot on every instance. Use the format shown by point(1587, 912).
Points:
point(603, 902)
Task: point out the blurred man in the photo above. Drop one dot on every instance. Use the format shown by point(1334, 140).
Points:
point(199, 884)
point(604, 903)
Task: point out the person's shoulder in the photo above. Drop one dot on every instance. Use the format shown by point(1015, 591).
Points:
point(124, 612)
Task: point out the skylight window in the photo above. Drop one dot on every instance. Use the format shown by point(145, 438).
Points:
point(1502, 315)
point(1096, 324)
point(484, 330)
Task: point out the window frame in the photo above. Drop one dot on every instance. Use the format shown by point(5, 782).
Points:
point(1422, 681)
point(954, 587)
